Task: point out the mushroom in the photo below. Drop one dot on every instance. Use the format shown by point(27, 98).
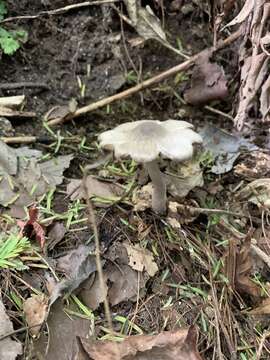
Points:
point(144, 141)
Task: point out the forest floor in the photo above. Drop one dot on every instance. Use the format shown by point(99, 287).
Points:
point(199, 276)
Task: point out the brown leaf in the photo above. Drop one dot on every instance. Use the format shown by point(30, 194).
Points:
point(141, 259)
point(262, 309)
point(9, 349)
point(63, 330)
point(208, 82)
point(56, 233)
point(31, 228)
point(92, 293)
point(177, 345)
point(124, 283)
point(35, 310)
point(239, 266)
point(95, 188)
point(78, 265)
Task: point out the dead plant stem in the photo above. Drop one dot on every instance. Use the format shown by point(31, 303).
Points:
point(93, 224)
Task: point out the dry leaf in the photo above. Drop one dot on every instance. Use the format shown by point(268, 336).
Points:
point(224, 147)
point(208, 82)
point(262, 309)
point(63, 330)
point(141, 259)
point(9, 349)
point(31, 228)
point(177, 345)
point(23, 179)
point(35, 310)
point(142, 198)
point(125, 284)
point(92, 293)
point(96, 188)
point(239, 266)
point(77, 265)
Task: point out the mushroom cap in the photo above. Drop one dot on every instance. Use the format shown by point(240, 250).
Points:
point(145, 140)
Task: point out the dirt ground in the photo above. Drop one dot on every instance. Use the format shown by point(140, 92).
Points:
point(87, 54)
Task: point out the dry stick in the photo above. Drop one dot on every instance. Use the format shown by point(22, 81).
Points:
point(92, 222)
point(60, 10)
point(145, 84)
point(24, 84)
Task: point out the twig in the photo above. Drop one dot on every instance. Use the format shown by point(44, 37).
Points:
point(17, 331)
point(216, 111)
point(145, 84)
point(93, 224)
point(59, 11)
point(24, 84)
point(26, 139)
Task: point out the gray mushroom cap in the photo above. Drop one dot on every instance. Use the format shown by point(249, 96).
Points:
point(145, 140)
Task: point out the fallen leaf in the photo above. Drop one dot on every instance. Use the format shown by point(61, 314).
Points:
point(142, 198)
point(92, 293)
point(186, 177)
point(225, 148)
point(9, 349)
point(55, 234)
point(77, 265)
point(168, 345)
point(262, 309)
point(96, 188)
point(31, 228)
point(125, 284)
point(208, 82)
point(239, 266)
point(24, 180)
point(35, 310)
point(63, 330)
point(141, 259)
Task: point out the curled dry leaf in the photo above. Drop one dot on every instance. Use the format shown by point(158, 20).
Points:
point(239, 266)
point(141, 259)
point(168, 345)
point(35, 310)
point(31, 228)
point(9, 349)
point(208, 82)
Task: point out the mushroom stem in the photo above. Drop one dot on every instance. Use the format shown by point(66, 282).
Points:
point(159, 198)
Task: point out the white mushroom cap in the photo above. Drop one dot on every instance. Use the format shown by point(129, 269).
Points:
point(145, 140)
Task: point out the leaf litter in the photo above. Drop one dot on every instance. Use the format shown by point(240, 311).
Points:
point(180, 345)
point(24, 180)
point(9, 349)
point(189, 238)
